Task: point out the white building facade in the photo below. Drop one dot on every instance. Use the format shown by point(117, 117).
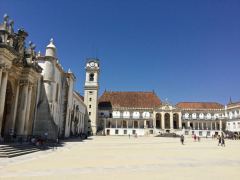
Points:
point(232, 112)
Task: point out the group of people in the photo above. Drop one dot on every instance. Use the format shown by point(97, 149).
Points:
point(221, 139)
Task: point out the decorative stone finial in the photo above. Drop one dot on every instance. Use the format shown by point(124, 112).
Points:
point(51, 40)
point(5, 17)
point(69, 70)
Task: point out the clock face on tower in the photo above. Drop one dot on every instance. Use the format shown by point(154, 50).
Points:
point(91, 64)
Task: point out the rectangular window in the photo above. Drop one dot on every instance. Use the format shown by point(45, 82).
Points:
point(133, 131)
point(90, 106)
point(90, 99)
point(200, 133)
point(125, 131)
point(90, 92)
point(89, 113)
point(208, 133)
point(116, 131)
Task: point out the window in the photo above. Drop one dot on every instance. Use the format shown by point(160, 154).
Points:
point(200, 133)
point(133, 131)
point(90, 106)
point(89, 113)
point(91, 77)
point(125, 131)
point(186, 132)
point(90, 92)
point(116, 131)
point(208, 133)
point(90, 99)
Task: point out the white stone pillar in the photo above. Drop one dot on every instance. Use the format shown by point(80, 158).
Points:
point(28, 113)
point(154, 120)
point(2, 96)
point(15, 107)
point(180, 120)
point(22, 109)
point(188, 124)
point(171, 120)
point(163, 120)
point(220, 125)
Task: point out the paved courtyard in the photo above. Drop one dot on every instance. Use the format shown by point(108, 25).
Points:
point(116, 158)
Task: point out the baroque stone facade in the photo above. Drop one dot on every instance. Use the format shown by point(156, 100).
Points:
point(37, 96)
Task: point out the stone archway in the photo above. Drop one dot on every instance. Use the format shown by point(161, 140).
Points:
point(167, 120)
point(158, 121)
point(7, 115)
point(175, 121)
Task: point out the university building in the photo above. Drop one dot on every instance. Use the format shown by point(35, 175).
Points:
point(143, 113)
point(37, 97)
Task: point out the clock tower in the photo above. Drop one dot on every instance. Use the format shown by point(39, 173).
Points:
point(91, 93)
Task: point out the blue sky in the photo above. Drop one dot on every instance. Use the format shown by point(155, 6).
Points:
point(183, 50)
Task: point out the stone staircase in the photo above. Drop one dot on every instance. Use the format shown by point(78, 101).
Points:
point(8, 151)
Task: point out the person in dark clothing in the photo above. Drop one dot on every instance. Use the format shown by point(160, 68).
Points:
point(182, 139)
point(219, 140)
point(222, 141)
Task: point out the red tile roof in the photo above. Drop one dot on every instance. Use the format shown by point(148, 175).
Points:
point(200, 105)
point(129, 99)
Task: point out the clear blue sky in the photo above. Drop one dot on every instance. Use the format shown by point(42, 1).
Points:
point(184, 50)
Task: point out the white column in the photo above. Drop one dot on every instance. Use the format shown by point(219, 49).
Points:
point(220, 125)
point(15, 107)
point(2, 96)
point(27, 117)
point(171, 120)
point(188, 124)
point(22, 110)
point(180, 120)
point(163, 120)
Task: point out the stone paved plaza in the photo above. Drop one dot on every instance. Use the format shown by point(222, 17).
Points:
point(116, 158)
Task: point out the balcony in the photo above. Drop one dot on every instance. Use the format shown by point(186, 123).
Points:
point(127, 117)
point(205, 118)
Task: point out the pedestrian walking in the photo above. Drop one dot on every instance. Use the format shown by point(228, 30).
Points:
point(195, 137)
point(219, 140)
point(222, 141)
point(182, 139)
